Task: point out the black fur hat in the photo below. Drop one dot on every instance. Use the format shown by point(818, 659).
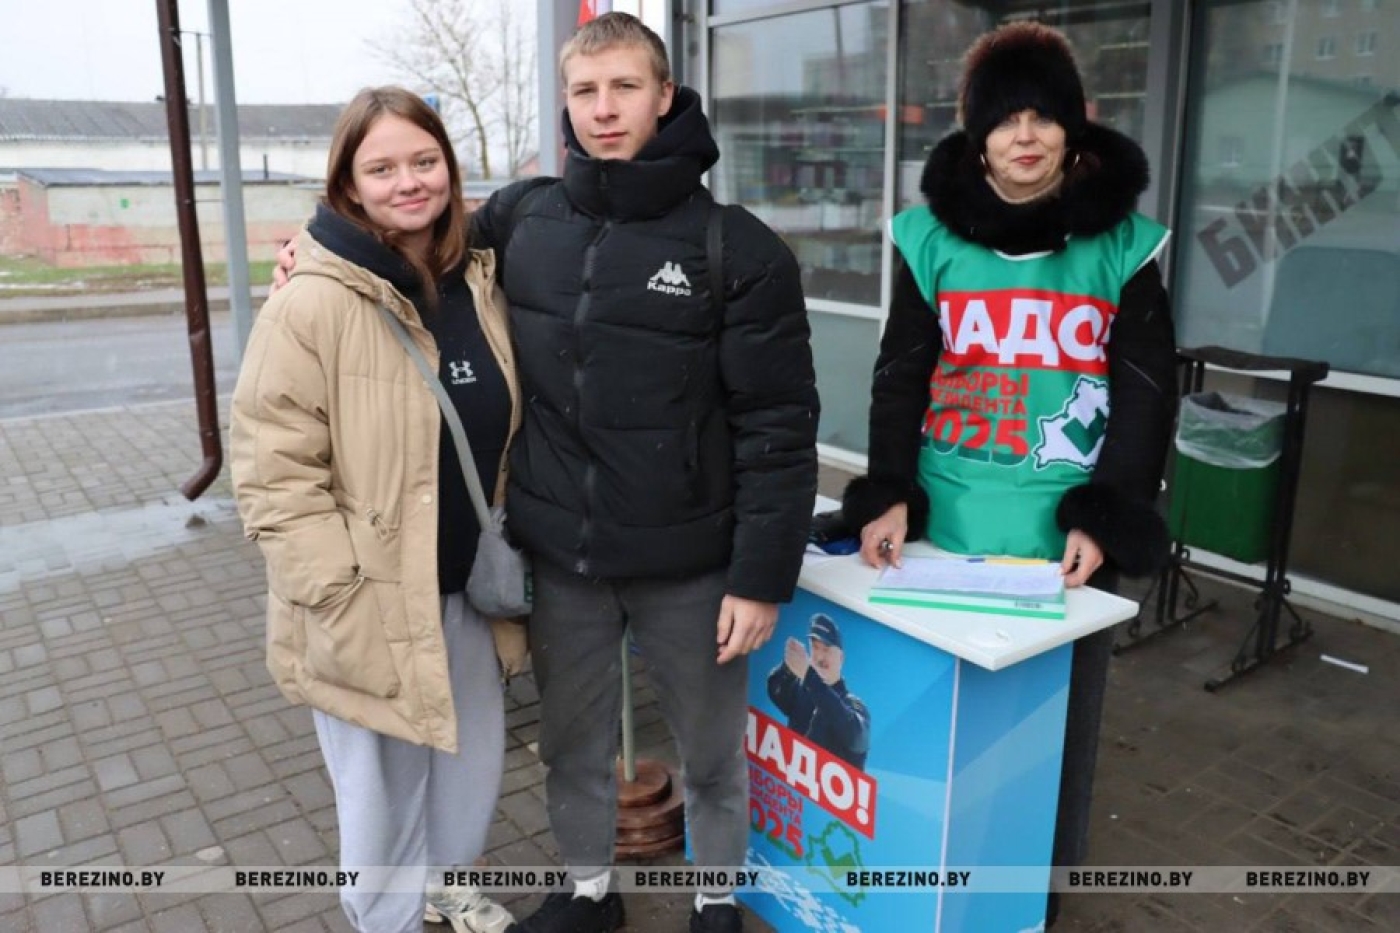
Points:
point(1020, 66)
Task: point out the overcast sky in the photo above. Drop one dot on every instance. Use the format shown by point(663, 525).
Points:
point(284, 51)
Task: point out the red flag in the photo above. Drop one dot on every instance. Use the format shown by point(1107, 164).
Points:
point(592, 9)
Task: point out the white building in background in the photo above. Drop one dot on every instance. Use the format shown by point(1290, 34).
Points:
point(285, 139)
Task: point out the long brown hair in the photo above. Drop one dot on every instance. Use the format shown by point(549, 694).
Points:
point(449, 244)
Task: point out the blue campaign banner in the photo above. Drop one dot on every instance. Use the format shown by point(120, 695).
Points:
point(862, 741)
point(795, 811)
point(1006, 783)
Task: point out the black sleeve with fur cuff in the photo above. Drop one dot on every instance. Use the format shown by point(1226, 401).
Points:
point(866, 499)
point(1131, 534)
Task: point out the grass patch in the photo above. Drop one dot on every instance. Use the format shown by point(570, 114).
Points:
point(24, 277)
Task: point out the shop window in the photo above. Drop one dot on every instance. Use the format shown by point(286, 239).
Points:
point(798, 105)
point(799, 108)
point(1292, 252)
point(1324, 174)
point(844, 349)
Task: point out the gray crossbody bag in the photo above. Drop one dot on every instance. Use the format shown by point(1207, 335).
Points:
point(499, 586)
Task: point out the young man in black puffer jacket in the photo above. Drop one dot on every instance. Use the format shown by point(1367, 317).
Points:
point(665, 473)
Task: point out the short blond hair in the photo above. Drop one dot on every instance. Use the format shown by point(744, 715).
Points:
point(612, 30)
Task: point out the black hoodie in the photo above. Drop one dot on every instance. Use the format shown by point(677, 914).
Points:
point(467, 369)
point(660, 438)
point(1116, 507)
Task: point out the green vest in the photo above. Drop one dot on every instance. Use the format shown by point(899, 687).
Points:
point(1018, 403)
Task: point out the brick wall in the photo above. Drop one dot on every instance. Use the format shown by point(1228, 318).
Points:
point(104, 225)
point(10, 237)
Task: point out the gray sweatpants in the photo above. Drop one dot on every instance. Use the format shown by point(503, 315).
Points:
point(576, 635)
point(408, 806)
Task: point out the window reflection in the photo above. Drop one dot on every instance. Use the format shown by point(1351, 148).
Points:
point(1289, 248)
point(797, 109)
point(844, 348)
point(1306, 209)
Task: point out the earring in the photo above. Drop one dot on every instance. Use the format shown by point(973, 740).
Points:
point(983, 158)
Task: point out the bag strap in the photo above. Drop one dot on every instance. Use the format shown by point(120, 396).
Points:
point(449, 414)
point(714, 257)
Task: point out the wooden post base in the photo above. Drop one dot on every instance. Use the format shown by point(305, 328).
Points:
point(650, 811)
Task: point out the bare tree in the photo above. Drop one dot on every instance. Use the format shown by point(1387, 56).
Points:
point(517, 100)
point(479, 59)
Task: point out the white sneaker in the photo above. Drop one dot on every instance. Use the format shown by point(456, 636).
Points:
point(467, 909)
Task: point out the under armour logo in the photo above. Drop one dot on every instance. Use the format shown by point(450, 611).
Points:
point(461, 371)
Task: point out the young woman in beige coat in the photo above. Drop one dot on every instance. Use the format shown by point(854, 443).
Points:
point(347, 479)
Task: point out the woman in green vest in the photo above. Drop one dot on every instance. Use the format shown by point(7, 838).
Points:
point(1025, 388)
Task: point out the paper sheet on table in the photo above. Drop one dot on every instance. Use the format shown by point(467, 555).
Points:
point(1003, 577)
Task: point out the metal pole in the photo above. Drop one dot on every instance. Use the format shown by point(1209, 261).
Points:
point(556, 20)
point(231, 178)
point(203, 112)
point(629, 743)
point(191, 259)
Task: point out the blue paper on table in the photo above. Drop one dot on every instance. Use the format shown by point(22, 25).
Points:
point(1006, 586)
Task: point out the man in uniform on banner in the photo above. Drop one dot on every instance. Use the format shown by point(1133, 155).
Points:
point(809, 689)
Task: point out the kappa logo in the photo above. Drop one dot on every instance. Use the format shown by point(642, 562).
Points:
point(669, 280)
point(461, 371)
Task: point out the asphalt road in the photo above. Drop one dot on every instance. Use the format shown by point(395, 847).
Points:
point(53, 367)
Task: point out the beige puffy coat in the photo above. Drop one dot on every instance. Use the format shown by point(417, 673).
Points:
point(334, 440)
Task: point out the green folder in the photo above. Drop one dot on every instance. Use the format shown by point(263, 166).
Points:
point(1000, 586)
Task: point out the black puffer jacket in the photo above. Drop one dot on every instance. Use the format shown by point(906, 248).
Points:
point(660, 439)
point(1116, 507)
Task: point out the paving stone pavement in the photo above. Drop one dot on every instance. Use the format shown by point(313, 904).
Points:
point(139, 725)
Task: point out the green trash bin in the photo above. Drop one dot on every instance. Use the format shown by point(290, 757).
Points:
point(1226, 476)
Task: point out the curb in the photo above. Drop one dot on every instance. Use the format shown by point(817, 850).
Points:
point(163, 302)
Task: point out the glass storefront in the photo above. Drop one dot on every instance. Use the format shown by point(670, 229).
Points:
point(1287, 217)
point(798, 107)
point(1289, 240)
point(1288, 244)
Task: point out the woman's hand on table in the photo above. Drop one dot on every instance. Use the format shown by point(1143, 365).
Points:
point(882, 541)
point(1082, 557)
